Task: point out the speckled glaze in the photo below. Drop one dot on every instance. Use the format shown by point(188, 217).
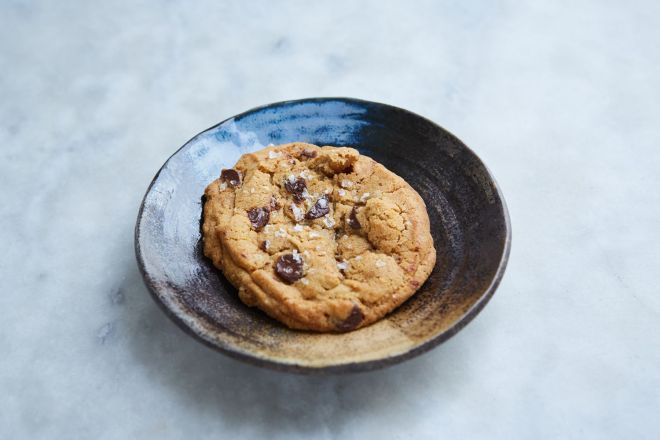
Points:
point(469, 224)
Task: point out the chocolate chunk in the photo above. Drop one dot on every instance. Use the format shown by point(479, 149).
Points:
point(353, 320)
point(353, 221)
point(274, 204)
point(264, 245)
point(308, 153)
point(289, 267)
point(320, 208)
point(258, 217)
point(231, 176)
point(296, 187)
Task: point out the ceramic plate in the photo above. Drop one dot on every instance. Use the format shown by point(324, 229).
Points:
point(469, 224)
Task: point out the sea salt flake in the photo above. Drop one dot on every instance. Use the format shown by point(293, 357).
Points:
point(380, 263)
point(329, 221)
point(341, 193)
point(274, 154)
point(298, 213)
point(298, 228)
point(364, 197)
point(346, 183)
point(314, 234)
point(342, 265)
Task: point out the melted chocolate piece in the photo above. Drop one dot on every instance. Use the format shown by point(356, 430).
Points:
point(289, 267)
point(231, 177)
point(308, 153)
point(296, 187)
point(258, 217)
point(320, 208)
point(274, 204)
point(353, 221)
point(353, 320)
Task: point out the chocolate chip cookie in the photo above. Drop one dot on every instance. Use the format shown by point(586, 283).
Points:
point(319, 238)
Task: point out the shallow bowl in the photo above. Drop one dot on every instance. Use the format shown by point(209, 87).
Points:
point(469, 224)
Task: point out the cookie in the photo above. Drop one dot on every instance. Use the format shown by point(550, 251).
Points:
point(319, 238)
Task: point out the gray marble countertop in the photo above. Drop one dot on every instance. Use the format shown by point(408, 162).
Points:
point(560, 100)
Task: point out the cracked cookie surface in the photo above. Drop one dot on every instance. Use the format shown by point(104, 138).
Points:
point(319, 238)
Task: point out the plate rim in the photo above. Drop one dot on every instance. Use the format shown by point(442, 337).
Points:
point(350, 367)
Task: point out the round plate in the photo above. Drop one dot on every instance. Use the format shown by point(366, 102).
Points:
point(469, 224)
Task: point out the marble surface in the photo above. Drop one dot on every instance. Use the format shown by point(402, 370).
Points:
point(560, 99)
